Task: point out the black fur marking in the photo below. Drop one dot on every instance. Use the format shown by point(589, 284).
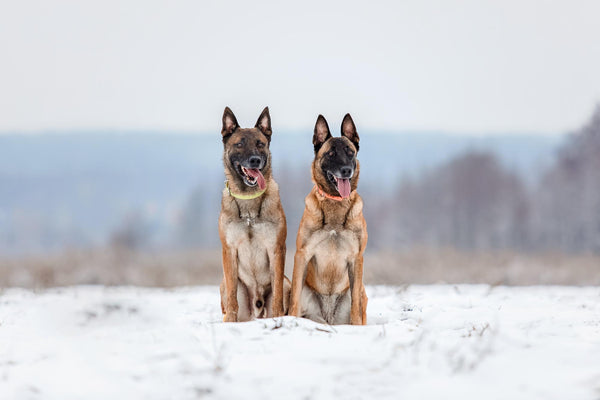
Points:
point(340, 155)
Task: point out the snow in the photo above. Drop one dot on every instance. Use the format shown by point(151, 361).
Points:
point(426, 342)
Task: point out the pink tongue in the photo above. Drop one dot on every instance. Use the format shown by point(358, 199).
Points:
point(260, 179)
point(343, 186)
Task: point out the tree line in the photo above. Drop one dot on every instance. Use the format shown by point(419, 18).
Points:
point(473, 203)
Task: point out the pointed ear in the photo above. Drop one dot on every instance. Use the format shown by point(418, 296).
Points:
point(322, 133)
point(264, 123)
point(349, 130)
point(230, 124)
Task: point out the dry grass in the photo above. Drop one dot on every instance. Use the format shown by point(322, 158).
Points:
point(496, 268)
point(113, 267)
point(120, 267)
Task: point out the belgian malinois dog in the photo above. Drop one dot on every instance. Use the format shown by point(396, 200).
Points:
point(252, 225)
point(327, 284)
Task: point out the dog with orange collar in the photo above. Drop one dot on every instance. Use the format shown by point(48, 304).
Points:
point(327, 283)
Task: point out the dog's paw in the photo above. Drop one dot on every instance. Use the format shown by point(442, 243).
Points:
point(294, 312)
point(230, 317)
point(277, 312)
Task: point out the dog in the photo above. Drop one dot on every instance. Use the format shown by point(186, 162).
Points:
point(327, 284)
point(252, 225)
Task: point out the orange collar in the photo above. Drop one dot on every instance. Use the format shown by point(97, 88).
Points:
point(327, 195)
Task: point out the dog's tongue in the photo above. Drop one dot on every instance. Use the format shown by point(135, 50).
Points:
point(343, 186)
point(260, 179)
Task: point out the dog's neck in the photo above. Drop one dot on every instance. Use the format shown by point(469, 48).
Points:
point(249, 210)
point(335, 212)
point(327, 195)
point(248, 203)
point(243, 196)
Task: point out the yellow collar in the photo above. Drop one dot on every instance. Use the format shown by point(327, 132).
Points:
point(245, 196)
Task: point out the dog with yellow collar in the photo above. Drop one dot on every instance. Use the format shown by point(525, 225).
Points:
point(252, 225)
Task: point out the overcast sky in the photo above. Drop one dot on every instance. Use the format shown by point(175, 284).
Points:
point(471, 67)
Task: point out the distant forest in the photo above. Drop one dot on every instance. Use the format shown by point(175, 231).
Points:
point(473, 203)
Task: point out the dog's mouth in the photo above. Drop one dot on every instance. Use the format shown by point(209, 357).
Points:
point(252, 176)
point(342, 185)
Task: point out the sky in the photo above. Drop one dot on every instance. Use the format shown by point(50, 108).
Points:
point(475, 67)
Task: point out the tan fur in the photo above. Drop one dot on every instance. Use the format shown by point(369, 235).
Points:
point(328, 264)
point(253, 234)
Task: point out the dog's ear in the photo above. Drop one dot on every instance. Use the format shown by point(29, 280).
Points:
point(322, 133)
point(264, 123)
point(349, 130)
point(230, 124)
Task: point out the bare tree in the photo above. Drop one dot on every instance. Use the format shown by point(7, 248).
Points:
point(470, 202)
point(567, 203)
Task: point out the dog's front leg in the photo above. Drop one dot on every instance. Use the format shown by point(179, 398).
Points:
point(230, 270)
point(355, 273)
point(277, 269)
point(298, 277)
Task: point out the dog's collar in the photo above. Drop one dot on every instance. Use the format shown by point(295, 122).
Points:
point(327, 195)
point(244, 196)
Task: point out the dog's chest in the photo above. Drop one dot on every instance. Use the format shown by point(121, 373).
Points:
point(253, 239)
point(334, 250)
point(251, 227)
point(335, 241)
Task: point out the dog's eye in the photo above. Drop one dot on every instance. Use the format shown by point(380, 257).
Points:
point(349, 151)
point(239, 145)
point(331, 153)
point(260, 144)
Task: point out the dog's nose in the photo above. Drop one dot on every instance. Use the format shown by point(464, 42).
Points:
point(346, 172)
point(254, 162)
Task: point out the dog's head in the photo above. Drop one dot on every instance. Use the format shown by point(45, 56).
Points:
point(335, 168)
point(246, 152)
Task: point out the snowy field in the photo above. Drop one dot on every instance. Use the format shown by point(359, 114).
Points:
point(422, 342)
